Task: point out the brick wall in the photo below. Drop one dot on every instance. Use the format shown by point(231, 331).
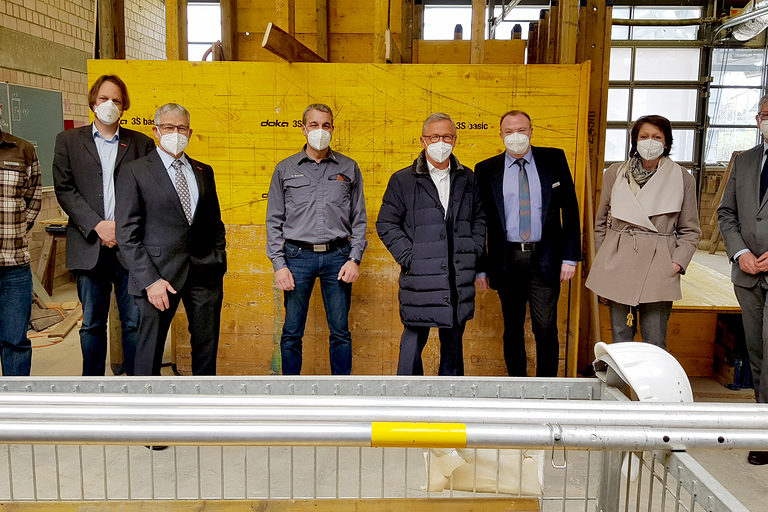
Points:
point(145, 29)
point(66, 22)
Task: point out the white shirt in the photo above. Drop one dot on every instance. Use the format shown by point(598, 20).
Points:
point(442, 180)
point(186, 168)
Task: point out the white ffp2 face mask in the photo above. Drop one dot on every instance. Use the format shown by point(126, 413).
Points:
point(319, 139)
point(174, 143)
point(439, 151)
point(107, 112)
point(517, 143)
point(650, 149)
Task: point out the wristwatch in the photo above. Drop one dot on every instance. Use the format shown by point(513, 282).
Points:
point(357, 261)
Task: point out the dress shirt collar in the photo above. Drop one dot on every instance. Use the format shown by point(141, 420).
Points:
point(96, 133)
point(439, 173)
point(302, 156)
point(168, 159)
point(509, 160)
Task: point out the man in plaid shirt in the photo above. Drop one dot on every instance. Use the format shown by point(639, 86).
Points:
point(20, 193)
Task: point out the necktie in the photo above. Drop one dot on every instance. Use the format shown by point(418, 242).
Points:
point(183, 190)
point(764, 178)
point(525, 201)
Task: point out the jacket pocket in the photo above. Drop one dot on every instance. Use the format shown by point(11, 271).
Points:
point(296, 189)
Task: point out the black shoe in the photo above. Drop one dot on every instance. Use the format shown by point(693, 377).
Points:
point(757, 458)
point(157, 447)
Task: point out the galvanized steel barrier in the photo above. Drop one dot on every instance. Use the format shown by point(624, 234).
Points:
point(254, 438)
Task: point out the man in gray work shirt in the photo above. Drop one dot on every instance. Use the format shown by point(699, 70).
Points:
point(316, 226)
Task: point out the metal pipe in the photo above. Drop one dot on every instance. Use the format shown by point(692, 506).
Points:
point(661, 23)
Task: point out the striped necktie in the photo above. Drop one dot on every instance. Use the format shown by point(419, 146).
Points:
point(183, 190)
point(525, 201)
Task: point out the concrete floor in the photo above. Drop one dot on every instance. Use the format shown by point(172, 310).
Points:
point(748, 483)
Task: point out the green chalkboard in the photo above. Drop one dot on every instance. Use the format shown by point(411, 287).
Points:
point(36, 115)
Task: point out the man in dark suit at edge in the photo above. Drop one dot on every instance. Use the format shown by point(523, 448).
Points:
point(86, 164)
point(533, 239)
point(169, 226)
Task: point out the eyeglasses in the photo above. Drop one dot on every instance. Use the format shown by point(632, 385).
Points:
point(435, 138)
point(170, 128)
point(762, 115)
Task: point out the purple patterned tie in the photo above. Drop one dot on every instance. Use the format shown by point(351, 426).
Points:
point(525, 201)
point(183, 190)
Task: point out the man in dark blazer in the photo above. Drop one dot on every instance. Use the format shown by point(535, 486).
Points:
point(86, 164)
point(533, 240)
point(743, 221)
point(173, 241)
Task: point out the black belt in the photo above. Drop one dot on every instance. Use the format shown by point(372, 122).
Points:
point(523, 246)
point(326, 247)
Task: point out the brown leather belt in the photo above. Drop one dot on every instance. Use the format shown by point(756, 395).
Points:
point(326, 247)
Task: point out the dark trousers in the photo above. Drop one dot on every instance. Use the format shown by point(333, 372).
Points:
point(754, 316)
point(524, 285)
point(202, 301)
point(413, 341)
point(94, 288)
point(653, 318)
point(307, 266)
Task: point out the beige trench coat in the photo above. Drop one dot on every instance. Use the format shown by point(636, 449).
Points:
point(637, 237)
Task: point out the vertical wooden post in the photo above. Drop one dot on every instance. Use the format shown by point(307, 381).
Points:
point(533, 40)
point(285, 14)
point(568, 24)
point(229, 28)
point(541, 51)
point(176, 29)
point(581, 34)
point(552, 17)
point(321, 11)
point(406, 35)
point(380, 30)
point(477, 48)
point(111, 19)
point(418, 21)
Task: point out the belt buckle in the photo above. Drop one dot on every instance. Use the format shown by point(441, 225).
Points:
point(523, 247)
point(320, 247)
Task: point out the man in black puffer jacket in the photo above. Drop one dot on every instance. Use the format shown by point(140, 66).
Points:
point(432, 222)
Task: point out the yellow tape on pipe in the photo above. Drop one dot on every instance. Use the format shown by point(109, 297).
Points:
point(425, 435)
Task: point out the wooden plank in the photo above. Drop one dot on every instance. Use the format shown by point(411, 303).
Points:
point(406, 36)
point(229, 29)
point(477, 49)
point(66, 325)
point(176, 29)
point(541, 51)
point(581, 33)
point(39, 293)
point(111, 16)
point(45, 257)
point(282, 44)
point(477, 504)
point(705, 289)
point(285, 14)
point(509, 51)
point(380, 30)
point(568, 28)
point(553, 19)
point(321, 12)
point(533, 38)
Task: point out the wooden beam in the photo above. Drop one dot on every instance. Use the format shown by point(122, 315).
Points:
point(552, 17)
point(418, 20)
point(541, 50)
point(285, 13)
point(477, 48)
point(581, 33)
point(111, 16)
point(229, 29)
point(380, 30)
point(533, 39)
point(406, 36)
point(287, 47)
point(568, 25)
point(321, 11)
point(176, 29)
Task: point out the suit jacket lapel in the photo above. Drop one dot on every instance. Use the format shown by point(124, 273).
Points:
point(756, 157)
point(497, 187)
point(86, 137)
point(160, 174)
point(122, 148)
point(545, 179)
point(197, 168)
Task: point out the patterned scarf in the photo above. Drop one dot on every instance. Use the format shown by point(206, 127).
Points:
point(639, 173)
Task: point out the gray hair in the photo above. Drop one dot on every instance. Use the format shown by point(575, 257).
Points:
point(437, 116)
point(762, 102)
point(171, 107)
point(320, 107)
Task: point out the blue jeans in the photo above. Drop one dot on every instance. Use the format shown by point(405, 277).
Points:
point(94, 288)
point(15, 309)
point(306, 266)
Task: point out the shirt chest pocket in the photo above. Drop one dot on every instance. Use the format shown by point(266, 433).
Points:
point(14, 176)
point(339, 189)
point(297, 189)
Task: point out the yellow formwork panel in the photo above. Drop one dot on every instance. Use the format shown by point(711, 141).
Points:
point(246, 117)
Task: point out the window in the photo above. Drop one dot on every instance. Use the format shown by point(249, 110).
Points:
point(441, 20)
point(203, 27)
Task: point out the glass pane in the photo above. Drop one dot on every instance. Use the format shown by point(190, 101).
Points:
point(674, 104)
point(733, 106)
point(621, 64)
point(682, 145)
point(439, 22)
point(721, 142)
point(203, 23)
point(666, 13)
point(615, 145)
point(195, 51)
point(620, 31)
point(618, 104)
point(737, 66)
point(661, 64)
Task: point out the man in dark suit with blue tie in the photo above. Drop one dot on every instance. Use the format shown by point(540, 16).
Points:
point(173, 241)
point(86, 164)
point(533, 240)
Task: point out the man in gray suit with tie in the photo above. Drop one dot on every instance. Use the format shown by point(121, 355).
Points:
point(743, 220)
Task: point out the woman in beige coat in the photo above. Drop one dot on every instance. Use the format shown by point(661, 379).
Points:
point(646, 231)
